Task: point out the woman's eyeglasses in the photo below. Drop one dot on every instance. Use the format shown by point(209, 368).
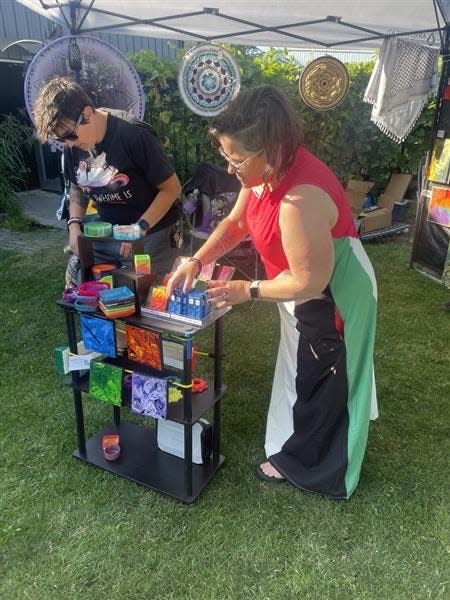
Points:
point(70, 135)
point(237, 165)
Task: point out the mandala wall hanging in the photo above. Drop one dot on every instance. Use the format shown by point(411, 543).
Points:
point(208, 79)
point(103, 71)
point(324, 83)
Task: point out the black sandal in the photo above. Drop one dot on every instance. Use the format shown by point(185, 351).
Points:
point(270, 478)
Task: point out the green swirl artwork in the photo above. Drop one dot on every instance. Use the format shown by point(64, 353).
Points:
point(105, 383)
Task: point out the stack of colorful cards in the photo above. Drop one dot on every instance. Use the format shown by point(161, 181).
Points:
point(118, 302)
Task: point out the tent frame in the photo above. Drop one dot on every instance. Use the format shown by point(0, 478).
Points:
point(76, 28)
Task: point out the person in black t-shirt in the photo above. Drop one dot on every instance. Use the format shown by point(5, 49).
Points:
point(116, 161)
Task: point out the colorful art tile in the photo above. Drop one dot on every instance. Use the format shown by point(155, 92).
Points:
point(158, 298)
point(105, 383)
point(149, 396)
point(144, 346)
point(440, 162)
point(98, 335)
point(439, 206)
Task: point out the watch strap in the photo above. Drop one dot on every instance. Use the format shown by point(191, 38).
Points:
point(254, 290)
point(144, 225)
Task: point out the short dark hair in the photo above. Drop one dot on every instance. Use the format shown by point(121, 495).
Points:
point(60, 99)
point(261, 118)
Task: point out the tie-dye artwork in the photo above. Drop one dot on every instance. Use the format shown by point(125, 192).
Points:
point(105, 383)
point(439, 207)
point(149, 396)
point(98, 335)
point(440, 162)
point(144, 346)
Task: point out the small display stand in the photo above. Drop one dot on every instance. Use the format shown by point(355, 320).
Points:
point(141, 460)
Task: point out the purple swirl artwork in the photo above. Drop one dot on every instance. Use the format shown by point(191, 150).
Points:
point(149, 396)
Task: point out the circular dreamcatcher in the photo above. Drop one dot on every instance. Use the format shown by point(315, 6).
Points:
point(324, 83)
point(102, 70)
point(208, 79)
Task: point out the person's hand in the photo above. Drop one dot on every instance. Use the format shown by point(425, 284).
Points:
point(126, 250)
point(227, 293)
point(186, 273)
point(74, 232)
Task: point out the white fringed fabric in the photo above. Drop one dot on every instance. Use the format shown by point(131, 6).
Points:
point(403, 78)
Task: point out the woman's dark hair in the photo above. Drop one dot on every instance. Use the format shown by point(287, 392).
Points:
point(261, 118)
point(61, 99)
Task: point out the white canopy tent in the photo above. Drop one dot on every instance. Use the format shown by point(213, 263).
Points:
point(288, 23)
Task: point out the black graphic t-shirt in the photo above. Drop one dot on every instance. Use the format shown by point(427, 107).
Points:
point(123, 172)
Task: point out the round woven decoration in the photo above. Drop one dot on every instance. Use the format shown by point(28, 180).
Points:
point(324, 83)
point(102, 70)
point(208, 79)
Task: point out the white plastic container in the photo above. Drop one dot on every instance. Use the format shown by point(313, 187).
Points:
point(171, 439)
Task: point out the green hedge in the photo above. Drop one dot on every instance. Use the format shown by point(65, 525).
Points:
point(343, 137)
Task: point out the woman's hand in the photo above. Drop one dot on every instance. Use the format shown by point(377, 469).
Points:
point(126, 250)
point(186, 273)
point(227, 293)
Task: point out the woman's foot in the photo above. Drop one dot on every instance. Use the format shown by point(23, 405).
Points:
point(267, 472)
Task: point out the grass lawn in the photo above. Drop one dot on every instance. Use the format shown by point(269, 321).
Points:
point(73, 531)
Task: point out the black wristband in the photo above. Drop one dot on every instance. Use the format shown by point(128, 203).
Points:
point(198, 263)
point(73, 220)
point(144, 225)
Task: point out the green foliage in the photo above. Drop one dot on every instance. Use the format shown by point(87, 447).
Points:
point(12, 166)
point(182, 133)
point(344, 137)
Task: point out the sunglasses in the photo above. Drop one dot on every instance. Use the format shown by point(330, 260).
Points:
point(237, 165)
point(70, 135)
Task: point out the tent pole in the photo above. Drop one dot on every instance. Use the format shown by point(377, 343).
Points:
point(73, 16)
point(442, 82)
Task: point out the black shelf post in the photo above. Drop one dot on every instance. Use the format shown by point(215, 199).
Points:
point(187, 399)
point(77, 399)
point(218, 343)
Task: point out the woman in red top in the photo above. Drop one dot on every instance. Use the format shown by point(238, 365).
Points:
point(297, 214)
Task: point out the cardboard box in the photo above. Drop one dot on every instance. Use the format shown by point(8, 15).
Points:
point(395, 190)
point(376, 219)
point(356, 192)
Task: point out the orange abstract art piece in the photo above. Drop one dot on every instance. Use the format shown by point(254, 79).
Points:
point(144, 346)
point(439, 207)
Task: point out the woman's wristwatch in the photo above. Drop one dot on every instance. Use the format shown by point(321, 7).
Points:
point(255, 293)
point(144, 227)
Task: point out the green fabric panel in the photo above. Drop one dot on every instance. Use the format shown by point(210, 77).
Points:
point(354, 295)
point(105, 383)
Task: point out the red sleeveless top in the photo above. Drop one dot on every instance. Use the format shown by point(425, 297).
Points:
point(262, 211)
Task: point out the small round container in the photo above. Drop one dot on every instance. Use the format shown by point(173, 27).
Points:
point(98, 229)
point(111, 452)
point(101, 269)
point(127, 232)
point(85, 304)
point(93, 288)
